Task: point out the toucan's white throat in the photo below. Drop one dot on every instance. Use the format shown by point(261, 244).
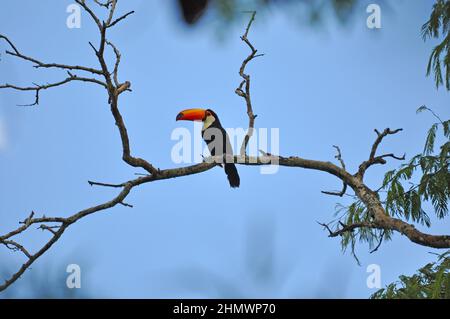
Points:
point(209, 120)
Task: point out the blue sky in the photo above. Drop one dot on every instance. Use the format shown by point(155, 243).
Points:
point(320, 88)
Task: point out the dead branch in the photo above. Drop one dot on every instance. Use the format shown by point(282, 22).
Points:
point(345, 228)
point(344, 185)
point(246, 81)
point(379, 242)
point(373, 159)
point(38, 87)
point(39, 64)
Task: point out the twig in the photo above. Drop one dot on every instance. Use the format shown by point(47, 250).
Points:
point(12, 245)
point(39, 64)
point(105, 184)
point(49, 228)
point(38, 87)
point(345, 228)
point(106, 4)
point(116, 65)
point(126, 205)
point(120, 19)
point(373, 159)
point(245, 93)
point(379, 243)
point(344, 185)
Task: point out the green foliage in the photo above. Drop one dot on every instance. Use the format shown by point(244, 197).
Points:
point(432, 184)
point(439, 25)
point(430, 282)
point(406, 190)
point(356, 213)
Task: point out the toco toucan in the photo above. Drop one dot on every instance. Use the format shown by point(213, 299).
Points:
point(215, 137)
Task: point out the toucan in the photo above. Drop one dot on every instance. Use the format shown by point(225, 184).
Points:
point(216, 138)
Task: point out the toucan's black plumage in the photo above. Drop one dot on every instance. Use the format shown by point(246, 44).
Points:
point(209, 138)
point(212, 129)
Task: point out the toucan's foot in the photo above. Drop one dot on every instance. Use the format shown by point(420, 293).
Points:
point(211, 159)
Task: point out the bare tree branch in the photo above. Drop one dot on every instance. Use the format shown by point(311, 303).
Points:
point(11, 244)
point(373, 159)
point(106, 4)
point(91, 13)
point(39, 64)
point(345, 228)
point(380, 242)
point(344, 185)
point(105, 184)
point(38, 87)
point(246, 81)
point(116, 65)
point(113, 23)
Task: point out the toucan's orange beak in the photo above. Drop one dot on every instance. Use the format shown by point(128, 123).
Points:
point(191, 115)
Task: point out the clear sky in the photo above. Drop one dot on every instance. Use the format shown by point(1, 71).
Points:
point(319, 87)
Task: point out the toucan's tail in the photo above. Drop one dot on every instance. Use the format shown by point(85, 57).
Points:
point(232, 174)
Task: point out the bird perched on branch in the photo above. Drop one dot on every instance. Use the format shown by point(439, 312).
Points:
point(216, 138)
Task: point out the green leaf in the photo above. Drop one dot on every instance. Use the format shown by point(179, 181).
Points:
point(431, 137)
point(421, 109)
point(430, 282)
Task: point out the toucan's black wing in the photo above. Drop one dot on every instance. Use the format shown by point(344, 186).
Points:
point(219, 149)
